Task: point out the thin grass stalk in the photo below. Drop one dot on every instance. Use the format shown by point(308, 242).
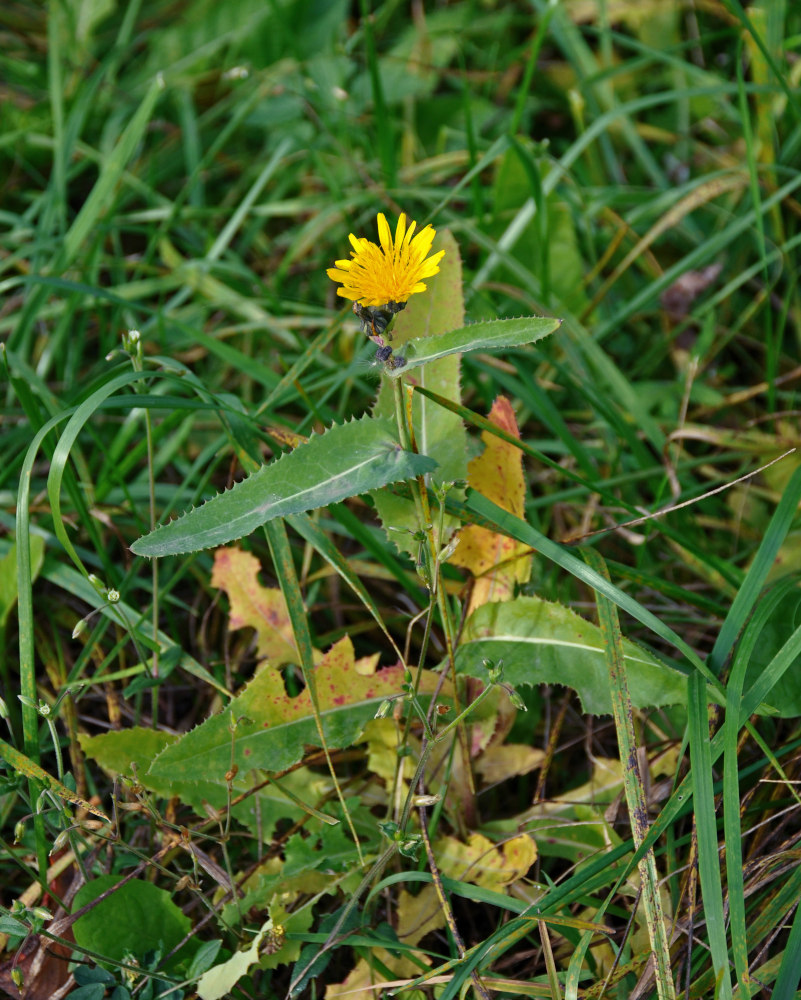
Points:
point(134, 345)
point(444, 903)
point(701, 759)
point(632, 782)
point(27, 660)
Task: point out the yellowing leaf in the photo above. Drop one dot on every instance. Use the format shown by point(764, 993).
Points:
point(496, 561)
point(417, 915)
point(483, 863)
point(498, 763)
point(383, 740)
point(254, 606)
point(361, 981)
point(519, 854)
point(221, 979)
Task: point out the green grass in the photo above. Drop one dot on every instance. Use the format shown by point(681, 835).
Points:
point(190, 171)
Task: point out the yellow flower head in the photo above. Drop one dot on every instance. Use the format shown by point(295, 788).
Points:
point(377, 275)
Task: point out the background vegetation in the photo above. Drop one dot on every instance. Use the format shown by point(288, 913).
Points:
point(189, 169)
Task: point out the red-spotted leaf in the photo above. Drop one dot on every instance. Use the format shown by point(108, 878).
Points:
point(273, 729)
point(254, 606)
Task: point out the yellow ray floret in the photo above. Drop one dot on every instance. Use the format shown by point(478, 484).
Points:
point(376, 275)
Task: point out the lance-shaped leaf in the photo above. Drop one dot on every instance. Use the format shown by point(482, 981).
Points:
point(545, 643)
point(273, 729)
point(346, 460)
point(490, 336)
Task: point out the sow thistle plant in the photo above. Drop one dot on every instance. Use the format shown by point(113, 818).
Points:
point(406, 293)
point(409, 454)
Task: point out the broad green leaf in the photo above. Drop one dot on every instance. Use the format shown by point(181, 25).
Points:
point(130, 752)
point(135, 919)
point(439, 433)
point(493, 335)
point(274, 729)
point(346, 460)
point(545, 643)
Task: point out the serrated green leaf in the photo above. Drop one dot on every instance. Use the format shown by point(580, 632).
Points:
point(346, 460)
point(490, 336)
point(545, 643)
point(274, 729)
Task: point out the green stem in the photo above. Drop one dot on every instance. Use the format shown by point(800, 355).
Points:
point(138, 365)
point(468, 816)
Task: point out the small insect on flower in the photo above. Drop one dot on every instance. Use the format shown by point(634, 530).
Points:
point(388, 274)
point(374, 320)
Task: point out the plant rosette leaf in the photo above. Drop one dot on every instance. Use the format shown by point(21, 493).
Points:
point(130, 752)
point(541, 642)
point(342, 462)
point(135, 919)
point(273, 729)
